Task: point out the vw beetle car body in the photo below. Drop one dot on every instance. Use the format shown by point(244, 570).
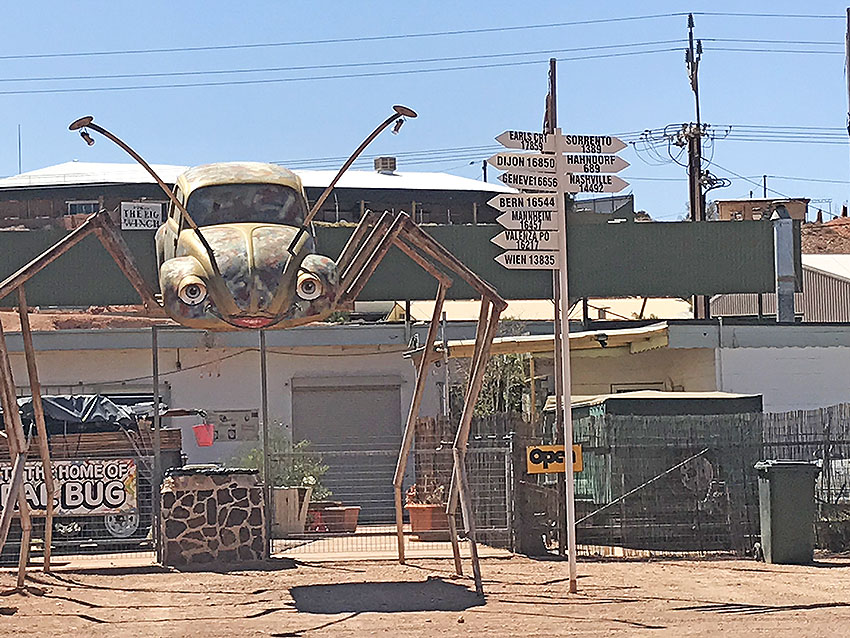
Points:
point(249, 264)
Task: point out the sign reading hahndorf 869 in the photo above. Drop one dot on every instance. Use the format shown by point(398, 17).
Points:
point(83, 487)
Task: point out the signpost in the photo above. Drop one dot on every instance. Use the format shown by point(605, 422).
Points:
point(536, 238)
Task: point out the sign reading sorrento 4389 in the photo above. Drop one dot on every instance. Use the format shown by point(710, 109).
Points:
point(83, 487)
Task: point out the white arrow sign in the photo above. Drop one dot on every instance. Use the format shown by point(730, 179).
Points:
point(578, 163)
point(531, 141)
point(522, 140)
point(523, 162)
point(527, 239)
point(529, 260)
point(584, 183)
point(525, 201)
point(528, 220)
point(586, 144)
point(531, 182)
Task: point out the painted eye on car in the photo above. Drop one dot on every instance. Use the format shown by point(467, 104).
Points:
point(192, 290)
point(309, 286)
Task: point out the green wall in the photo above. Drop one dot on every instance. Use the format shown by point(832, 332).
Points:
point(626, 259)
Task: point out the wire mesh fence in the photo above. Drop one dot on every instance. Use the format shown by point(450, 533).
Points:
point(667, 485)
point(104, 505)
point(355, 509)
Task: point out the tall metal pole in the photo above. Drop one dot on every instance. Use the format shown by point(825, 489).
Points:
point(264, 411)
point(550, 121)
point(561, 169)
point(156, 488)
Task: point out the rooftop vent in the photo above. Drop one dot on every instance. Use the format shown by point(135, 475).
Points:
point(385, 164)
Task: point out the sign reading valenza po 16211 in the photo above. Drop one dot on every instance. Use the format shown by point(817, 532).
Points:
point(83, 488)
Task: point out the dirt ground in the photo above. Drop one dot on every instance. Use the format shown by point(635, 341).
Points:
point(524, 597)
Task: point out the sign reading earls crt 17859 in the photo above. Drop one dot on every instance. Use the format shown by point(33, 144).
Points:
point(544, 459)
point(83, 487)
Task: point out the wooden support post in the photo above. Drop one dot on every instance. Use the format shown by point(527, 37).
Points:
point(462, 435)
point(17, 451)
point(410, 425)
point(12, 498)
point(40, 426)
point(476, 356)
point(468, 518)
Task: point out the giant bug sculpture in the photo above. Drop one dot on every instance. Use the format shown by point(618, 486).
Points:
point(237, 252)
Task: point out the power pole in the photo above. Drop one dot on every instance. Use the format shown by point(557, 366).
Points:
point(693, 54)
point(847, 68)
point(484, 168)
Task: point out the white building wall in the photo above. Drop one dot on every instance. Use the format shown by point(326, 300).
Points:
point(790, 378)
point(220, 379)
point(689, 370)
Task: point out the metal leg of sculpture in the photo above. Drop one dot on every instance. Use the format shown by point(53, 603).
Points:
point(410, 425)
point(40, 426)
point(17, 452)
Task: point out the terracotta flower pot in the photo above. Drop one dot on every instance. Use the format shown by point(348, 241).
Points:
point(428, 521)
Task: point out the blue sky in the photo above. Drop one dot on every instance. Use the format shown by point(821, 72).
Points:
point(316, 116)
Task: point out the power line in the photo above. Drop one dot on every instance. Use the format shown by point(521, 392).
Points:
point(314, 67)
point(322, 77)
point(374, 38)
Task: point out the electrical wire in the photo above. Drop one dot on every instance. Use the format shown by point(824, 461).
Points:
point(315, 67)
point(314, 78)
point(374, 38)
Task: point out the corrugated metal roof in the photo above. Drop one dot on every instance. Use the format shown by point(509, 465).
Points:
point(578, 401)
point(837, 265)
point(635, 339)
point(83, 173)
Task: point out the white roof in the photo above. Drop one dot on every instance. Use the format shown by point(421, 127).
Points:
point(838, 265)
point(82, 173)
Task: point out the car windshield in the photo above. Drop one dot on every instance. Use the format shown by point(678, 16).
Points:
point(231, 203)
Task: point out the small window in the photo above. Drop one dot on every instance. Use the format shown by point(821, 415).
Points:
point(82, 207)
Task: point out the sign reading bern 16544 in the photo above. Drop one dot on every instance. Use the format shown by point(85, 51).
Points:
point(141, 215)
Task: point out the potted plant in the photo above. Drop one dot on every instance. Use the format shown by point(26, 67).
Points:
point(426, 507)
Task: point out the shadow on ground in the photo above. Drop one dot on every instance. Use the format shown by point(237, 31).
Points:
point(431, 595)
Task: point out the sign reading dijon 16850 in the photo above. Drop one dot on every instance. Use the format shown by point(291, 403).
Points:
point(84, 487)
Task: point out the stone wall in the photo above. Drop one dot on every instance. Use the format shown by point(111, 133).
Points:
point(212, 516)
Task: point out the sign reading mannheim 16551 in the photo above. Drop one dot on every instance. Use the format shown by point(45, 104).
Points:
point(84, 487)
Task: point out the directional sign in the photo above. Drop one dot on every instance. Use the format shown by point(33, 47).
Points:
point(533, 163)
point(523, 162)
point(532, 141)
point(528, 220)
point(522, 140)
point(535, 182)
point(581, 183)
point(525, 201)
point(529, 260)
point(527, 239)
point(580, 163)
point(587, 144)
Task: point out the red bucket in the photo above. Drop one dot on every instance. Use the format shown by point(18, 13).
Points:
point(204, 434)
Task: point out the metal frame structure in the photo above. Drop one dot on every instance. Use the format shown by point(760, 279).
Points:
point(366, 248)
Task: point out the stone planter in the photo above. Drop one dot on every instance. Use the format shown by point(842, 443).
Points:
point(428, 521)
point(212, 515)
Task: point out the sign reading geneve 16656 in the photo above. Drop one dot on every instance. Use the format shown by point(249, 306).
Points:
point(84, 487)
